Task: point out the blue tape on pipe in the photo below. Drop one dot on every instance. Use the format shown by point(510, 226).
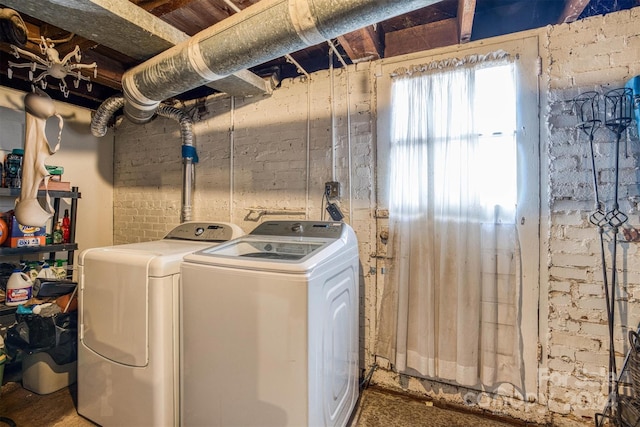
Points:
point(189, 151)
point(634, 85)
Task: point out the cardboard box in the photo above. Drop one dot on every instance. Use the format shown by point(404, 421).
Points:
point(21, 236)
point(57, 186)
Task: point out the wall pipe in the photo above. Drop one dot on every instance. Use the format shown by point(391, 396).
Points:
point(346, 69)
point(332, 107)
point(189, 157)
point(262, 32)
point(232, 148)
point(308, 150)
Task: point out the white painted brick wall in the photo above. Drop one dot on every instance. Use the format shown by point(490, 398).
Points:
point(600, 53)
point(269, 171)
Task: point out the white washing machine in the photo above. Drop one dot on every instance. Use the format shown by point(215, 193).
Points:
point(270, 328)
point(128, 337)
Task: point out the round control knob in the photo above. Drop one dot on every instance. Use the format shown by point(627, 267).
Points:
point(199, 231)
point(297, 228)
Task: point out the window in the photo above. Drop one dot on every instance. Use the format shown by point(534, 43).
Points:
point(453, 134)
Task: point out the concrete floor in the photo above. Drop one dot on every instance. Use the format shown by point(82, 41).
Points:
point(377, 408)
point(381, 408)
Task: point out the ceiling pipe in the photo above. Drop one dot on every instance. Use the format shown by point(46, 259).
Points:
point(260, 33)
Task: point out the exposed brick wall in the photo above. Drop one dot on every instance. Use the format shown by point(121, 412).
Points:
point(270, 171)
point(600, 53)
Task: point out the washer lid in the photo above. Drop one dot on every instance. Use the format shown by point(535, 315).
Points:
point(281, 254)
point(320, 229)
point(285, 250)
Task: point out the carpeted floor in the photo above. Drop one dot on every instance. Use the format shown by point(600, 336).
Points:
point(377, 408)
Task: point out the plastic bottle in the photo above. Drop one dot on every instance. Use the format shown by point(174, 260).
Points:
point(46, 272)
point(19, 288)
point(13, 168)
point(66, 224)
point(57, 234)
point(4, 231)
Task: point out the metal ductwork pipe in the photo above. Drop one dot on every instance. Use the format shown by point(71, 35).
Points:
point(189, 154)
point(189, 157)
point(103, 114)
point(260, 33)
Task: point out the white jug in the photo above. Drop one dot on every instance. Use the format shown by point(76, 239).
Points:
point(46, 272)
point(19, 288)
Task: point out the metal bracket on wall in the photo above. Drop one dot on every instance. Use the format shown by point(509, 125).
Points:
point(255, 214)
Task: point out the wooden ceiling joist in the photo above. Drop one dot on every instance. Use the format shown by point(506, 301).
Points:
point(363, 45)
point(162, 7)
point(572, 10)
point(421, 37)
point(466, 12)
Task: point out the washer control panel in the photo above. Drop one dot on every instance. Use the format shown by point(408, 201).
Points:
point(202, 231)
point(331, 230)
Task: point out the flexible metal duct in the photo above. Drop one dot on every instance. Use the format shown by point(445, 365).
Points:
point(189, 156)
point(103, 114)
point(262, 32)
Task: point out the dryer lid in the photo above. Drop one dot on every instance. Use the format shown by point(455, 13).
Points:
point(205, 232)
point(162, 257)
point(167, 254)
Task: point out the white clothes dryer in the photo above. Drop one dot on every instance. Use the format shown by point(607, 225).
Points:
point(270, 328)
point(128, 335)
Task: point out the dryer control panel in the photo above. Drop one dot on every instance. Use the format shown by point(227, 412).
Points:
point(328, 230)
point(202, 231)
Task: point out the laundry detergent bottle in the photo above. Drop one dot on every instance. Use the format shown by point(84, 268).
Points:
point(46, 272)
point(19, 288)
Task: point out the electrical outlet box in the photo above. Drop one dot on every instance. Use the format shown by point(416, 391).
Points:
point(332, 189)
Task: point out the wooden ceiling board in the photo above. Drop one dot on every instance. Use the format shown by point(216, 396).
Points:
point(197, 16)
point(364, 44)
point(436, 12)
point(422, 37)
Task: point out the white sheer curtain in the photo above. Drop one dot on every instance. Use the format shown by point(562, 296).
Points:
point(450, 309)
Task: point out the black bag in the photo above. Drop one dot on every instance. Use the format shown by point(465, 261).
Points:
point(57, 335)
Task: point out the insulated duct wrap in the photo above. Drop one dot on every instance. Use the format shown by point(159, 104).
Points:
point(260, 33)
